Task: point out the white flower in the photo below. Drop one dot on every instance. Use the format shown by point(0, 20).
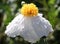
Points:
point(23, 2)
point(30, 28)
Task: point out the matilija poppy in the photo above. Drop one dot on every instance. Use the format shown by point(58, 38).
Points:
point(29, 24)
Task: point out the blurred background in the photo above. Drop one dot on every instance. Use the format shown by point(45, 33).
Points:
point(50, 10)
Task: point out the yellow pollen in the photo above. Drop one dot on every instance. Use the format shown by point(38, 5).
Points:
point(29, 10)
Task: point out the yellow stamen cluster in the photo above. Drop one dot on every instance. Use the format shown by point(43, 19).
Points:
point(29, 10)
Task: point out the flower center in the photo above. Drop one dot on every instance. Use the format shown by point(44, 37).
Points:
point(29, 10)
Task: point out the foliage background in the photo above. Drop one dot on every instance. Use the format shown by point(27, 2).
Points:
point(50, 9)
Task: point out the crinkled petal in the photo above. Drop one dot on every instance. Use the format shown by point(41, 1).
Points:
point(30, 28)
point(15, 27)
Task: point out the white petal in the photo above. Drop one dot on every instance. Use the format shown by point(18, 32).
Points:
point(14, 28)
point(40, 14)
point(35, 28)
point(31, 29)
